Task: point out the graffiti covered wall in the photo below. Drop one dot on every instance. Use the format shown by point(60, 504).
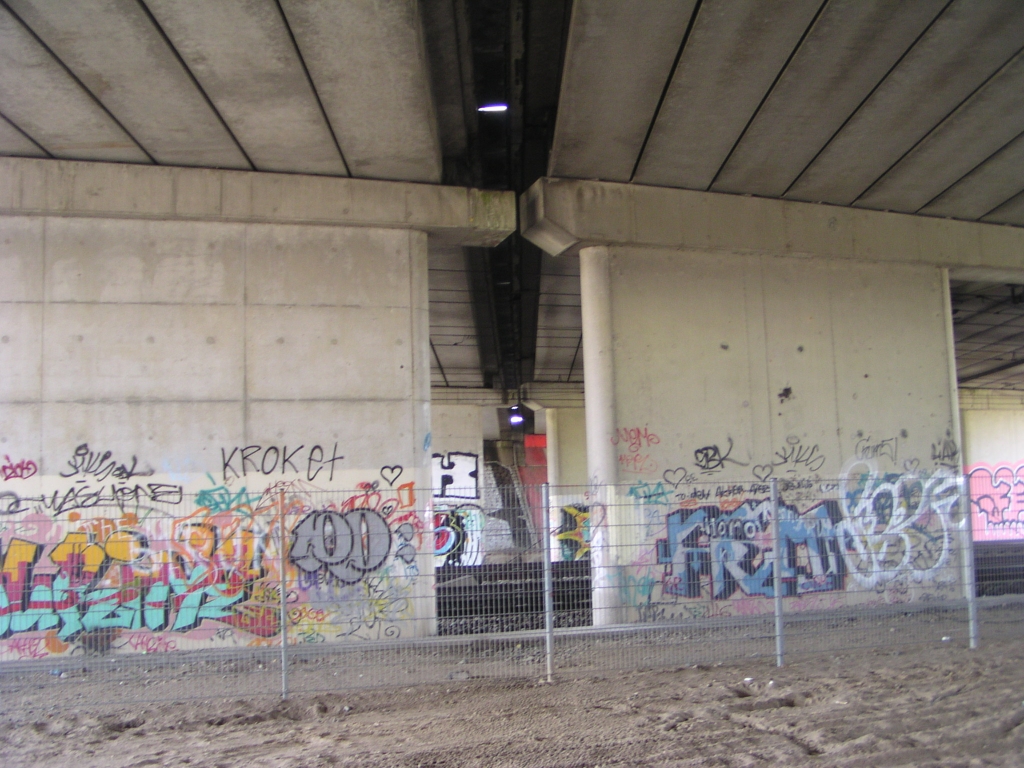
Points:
point(694, 549)
point(997, 501)
point(109, 556)
point(484, 522)
point(200, 417)
point(831, 377)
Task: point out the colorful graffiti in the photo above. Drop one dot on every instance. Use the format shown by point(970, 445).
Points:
point(458, 535)
point(349, 543)
point(465, 534)
point(93, 480)
point(876, 533)
point(897, 524)
point(732, 549)
point(574, 532)
point(129, 574)
point(110, 574)
point(997, 501)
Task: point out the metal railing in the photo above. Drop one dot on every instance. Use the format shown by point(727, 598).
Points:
point(315, 590)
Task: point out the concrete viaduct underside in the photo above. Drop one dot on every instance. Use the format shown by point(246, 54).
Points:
point(294, 248)
point(909, 107)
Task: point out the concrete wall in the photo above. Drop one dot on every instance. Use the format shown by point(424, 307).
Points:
point(993, 426)
point(569, 457)
point(277, 371)
point(471, 524)
point(457, 428)
point(729, 371)
point(457, 481)
point(753, 339)
point(748, 368)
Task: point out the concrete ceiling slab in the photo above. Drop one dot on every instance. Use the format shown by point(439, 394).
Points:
point(368, 63)
point(981, 126)
point(39, 96)
point(1010, 212)
point(969, 42)
point(559, 355)
point(455, 355)
point(116, 51)
point(848, 51)
point(618, 58)
point(15, 143)
point(243, 57)
point(733, 55)
point(988, 330)
point(986, 187)
point(451, 63)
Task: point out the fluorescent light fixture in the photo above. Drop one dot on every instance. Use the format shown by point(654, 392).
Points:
point(493, 108)
point(515, 416)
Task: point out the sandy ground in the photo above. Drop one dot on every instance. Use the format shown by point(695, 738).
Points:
point(934, 706)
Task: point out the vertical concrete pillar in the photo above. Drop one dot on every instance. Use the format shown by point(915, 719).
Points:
point(554, 479)
point(419, 403)
point(954, 388)
point(554, 445)
point(599, 399)
point(599, 364)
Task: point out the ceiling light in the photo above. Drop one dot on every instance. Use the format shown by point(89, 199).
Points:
point(515, 416)
point(493, 108)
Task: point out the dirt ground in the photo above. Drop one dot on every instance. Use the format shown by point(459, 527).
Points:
point(938, 706)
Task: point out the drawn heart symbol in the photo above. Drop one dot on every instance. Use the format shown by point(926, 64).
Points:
point(911, 465)
point(675, 476)
point(763, 471)
point(391, 473)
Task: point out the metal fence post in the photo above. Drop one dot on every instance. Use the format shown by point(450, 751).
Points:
point(777, 570)
point(967, 561)
point(282, 550)
point(549, 593)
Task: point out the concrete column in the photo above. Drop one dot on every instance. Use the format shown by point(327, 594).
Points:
point(554, 470)
point(598, 362)
point(554, 479)
point(954, 389)
point(599, 398)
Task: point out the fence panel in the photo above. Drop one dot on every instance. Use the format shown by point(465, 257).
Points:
point(313, 590)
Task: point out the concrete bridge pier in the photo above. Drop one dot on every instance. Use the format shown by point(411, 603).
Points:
point(729, 340)
point(193, 353)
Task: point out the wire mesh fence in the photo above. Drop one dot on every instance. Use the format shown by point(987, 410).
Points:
point(306, 590)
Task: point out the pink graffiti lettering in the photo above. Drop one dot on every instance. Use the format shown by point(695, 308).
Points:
point(18, 471)
point(637, 462)
point(145, 642)
point(997, 501)
point(28, 647)
point(635, 438)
